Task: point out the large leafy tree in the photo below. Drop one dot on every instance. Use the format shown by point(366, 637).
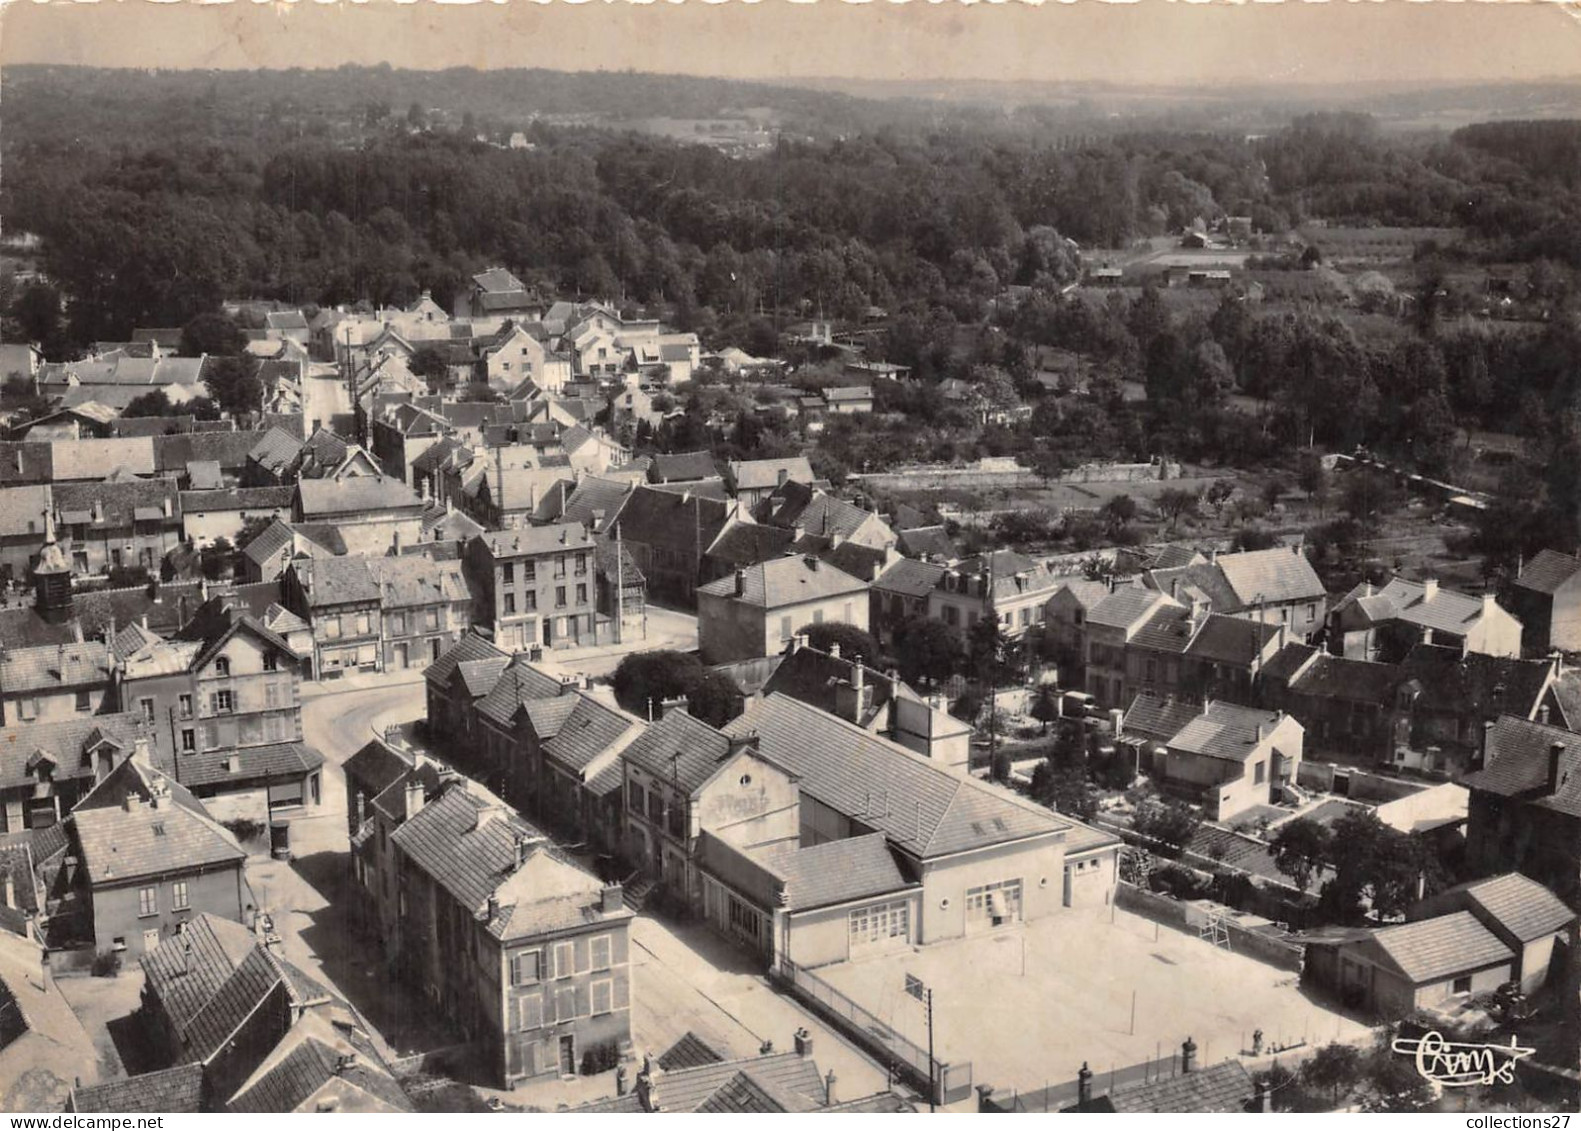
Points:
point(643, 680)
point(853, 642)
point(926, 650)
point(1300, 848)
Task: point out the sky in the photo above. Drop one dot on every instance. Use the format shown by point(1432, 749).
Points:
point(1145, 42)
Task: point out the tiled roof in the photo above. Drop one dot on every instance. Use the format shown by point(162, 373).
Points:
point(327, 498)
point(862, 562)
point(786, 581)
point(537, 540)
point(271, 540)
point(54, 668)
point(837, 871)
point(807, 508)
point(1353, 681)
point(249, 764)
point(757, 474)
point(814, 676)
point(1432, 950)
point(209, 981)
point(1261, 577)
point(118, 846)
point(1231, 640)
point(690, 1051)
point(1445, 611)
point(1224, 1087)
point(1285, 664)
point(497, 279)
point(119, 503)
point(26, 461)
point(1174, 557)
point(338, 581)
point(925, 809)
point(608, 561)
point(910, 578)
point(1169, 629)
point(1548, 571)
point(406, 582)
point(471, 647)
point(1158, 718)
point(1124, 607)
point(678, 467)
point(1521, 906)
point(1476, 683)
point(62, 741)
point(236, 499)
point(592, 496)
point(1226, 730)
point(518, 684)
point(928, 542)
point(228, 449)
point(95, 459)
point(1084, 838)
point(748, 543)
point(546, 716)
point(169, 1091)
point(377, 765)
point(441, 453)
point(1516, 764)
point(588, 731)
point(290, 1081)
point(686, 1089)
point(684, 522)
point(275, 449)
point(679, 749)
point(1204, 577)
point(696, 488)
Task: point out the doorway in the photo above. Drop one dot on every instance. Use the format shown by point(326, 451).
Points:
point(401, 657)
point(568, 1056)
point(150, 940)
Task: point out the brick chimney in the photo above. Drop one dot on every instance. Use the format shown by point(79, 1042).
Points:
point(1556, 754)
point(414, 797)
point(1084, 1085)
point(828, 1089)
point(613, 899)
point(1429, 589)
point(1188, 1056)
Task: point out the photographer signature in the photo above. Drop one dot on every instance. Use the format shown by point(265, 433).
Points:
point(1456, 1065)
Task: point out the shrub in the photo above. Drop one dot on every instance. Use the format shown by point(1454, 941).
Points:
point(853, 641)
point(645, 678)
point(244, 828)
point(106, 965)
point(600, 1057)
point(1182, 883)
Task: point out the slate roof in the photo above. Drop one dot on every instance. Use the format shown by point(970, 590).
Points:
point(910, 578)
point(470, 648)
point(813, 676)
point(54, 668)
point(697, 488)
point(1353, 681)
point(679, 749)
point(1446, 611)
point(1205, 577)
point(687, 1089)
point(1124, 607)
point(293, 1079)
point(329, 498)
point(1169, 629)
point(209, 981)
point(807, 508)
point(1224, 1087)
point(594, 495)
point(249, 764)
point(1515, 764)
point(686, 522)
point(228, 449)
point(236, 499)
point(679, 467)
point(1285, 664)
point(497, 279)
point(169, 1091)
point(1158, 718)
point(1175, 557)
point(1521, 906)
point(757, 474)
point(786, 581)
point(121, 503)
point(1276, 576)
point(26, 461)
point(746, 544)
point(921, 807)
point(518, 684)
point(1432, 950)
point(95, 459)
point(1227, 730)
point(587, 731)
point(691, 1051)
point(275, 449)
point(119, 846)
point(377, 765)
point(1548, 572)
point(928, 542)
point(536, 541)
point(64, 742)
point(837, 871)
point(1231, 640)
point(442, 453)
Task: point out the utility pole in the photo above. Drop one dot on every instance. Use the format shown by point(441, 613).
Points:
point(933, 1084)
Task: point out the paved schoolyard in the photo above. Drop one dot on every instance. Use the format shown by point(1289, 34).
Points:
point(1074, 1001)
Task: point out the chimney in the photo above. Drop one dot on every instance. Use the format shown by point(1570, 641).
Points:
point(859, 677)
point(741, 583)
point(1213, 556)
point(1188, 1056)
point(1429, 589)
point(1556, 754)
point(493, 909)
point(1084, 1085)
point(524, 847)
point(1117, 721)
point(781, 476)
point(648, 1090)
point(169, 510)
point(414, 797)
point(1542, 714)
point(828, 1089)
point(614, 898)
point(834, 649)
point(345, 1063)
point(1262, 1097)
point(1488, 603)
point(10, 891)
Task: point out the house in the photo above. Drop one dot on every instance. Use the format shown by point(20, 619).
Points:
point(1345, 705)
point(1111, 624)
point(266, 557)
point(681, 778)
point(682, 467)
point(752, 481)
point(152, 862)
point(131, 522)
point(1230, 759)
point(851, 400)
point(1383, 624)
point(669, 535)
point(496, 292)
point(374, 514)
point(425, 608)
point(341, 600)
point(44, 1049)
point(1525, 916)
point(900, 593)
point(51, 683)
point(455, 682)
point(1277, 586)
point(812, 513)
point(1525, 808)
point(1450, 696)
point(504, 725)
point(572, 768)
point(1225, 1087)
point(984, 858)
point(535, 586)
point(1065, 624)
point(207, 516)
point(401, 434)
point(45, 768)
point(928, 544)
point(1546, 598)
point(1394, 972)
point(756, 611)
point(523, 950)
point(1000, 584)
point(622, 590)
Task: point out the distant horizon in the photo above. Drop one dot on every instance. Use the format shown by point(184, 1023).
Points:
point(1140, 45)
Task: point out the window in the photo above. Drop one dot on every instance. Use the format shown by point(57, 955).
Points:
point(147, 901)
point(994, 904)
point(655, 808)
point(817, 616)
point(559, 565)
point(636, 801)
point(526, 967)
point(273, 695)
point(530, 1009)
point(952, 615)
point(397, 624)
point(529, 601)
point(581, 594)
point(581, 565)
point(564, 954)
point(84, 700)
point(1463, 985)
point(185, 706)
point(565, 1004)
point(677, 820)
point(332, 628)
point(1026, 617)
point(559, 596)
point(222, 666)
point(147, 708)
point(529, 572)
point(601, 952)
point(785, 628)
point(364, 624)
point(27, 709)
point(603, 996)
point(1077, 618)
point(223, 703)
point(1152, 670)
point(178, 896)
point(1259, 773)
point(189, 740)
point(510, 604)
point(508, 573)
point(431, 620)
point(848, 613)
point(271, 662)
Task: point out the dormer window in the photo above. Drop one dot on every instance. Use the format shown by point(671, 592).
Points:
point(271, 662)
point(222, 667)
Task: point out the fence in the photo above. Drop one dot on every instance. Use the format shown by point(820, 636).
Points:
point(1057, 1097)
point(1171, 912)
point(951, 1082)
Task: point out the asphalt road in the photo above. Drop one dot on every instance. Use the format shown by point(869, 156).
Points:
point(339, 723)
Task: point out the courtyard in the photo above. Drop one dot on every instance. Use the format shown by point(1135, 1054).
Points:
point(1028, 1005)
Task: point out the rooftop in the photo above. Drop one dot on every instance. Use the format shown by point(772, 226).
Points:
point(1432, 950)
point(784, 582)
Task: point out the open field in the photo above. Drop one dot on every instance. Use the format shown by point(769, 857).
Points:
point(1028, 1005)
